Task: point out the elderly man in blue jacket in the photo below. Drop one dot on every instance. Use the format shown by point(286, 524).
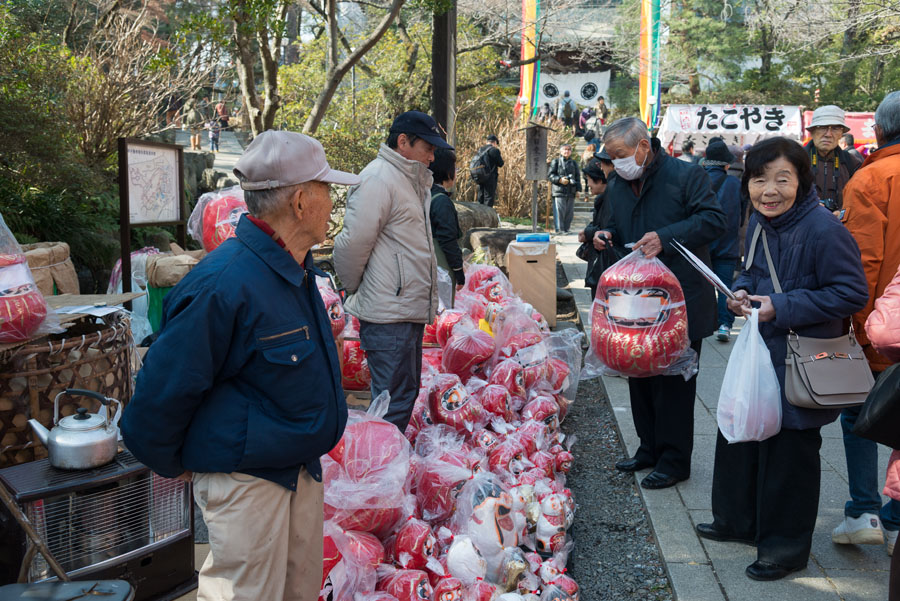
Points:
point(655, 200)
point(241, 393)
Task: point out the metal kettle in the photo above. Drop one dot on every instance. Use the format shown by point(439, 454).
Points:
point(83, 440)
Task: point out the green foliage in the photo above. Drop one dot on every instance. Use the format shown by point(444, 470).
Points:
point(758, 52)
point(47, 192)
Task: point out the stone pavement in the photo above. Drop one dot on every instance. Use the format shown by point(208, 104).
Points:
point(703, 570)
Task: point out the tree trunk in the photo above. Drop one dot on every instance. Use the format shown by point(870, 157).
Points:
point(336, 75)
point(849, 43)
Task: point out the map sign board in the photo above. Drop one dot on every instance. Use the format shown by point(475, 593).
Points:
point(153, 190)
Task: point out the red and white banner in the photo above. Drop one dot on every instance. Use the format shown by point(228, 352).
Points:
point(735, 123)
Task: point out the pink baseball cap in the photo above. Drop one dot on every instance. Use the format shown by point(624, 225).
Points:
point(275, 159)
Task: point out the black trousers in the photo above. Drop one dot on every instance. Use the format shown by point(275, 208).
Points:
point(487, 192)
point(663, 412)
point(769, 492)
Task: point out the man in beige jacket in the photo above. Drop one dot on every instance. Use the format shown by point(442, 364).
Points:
point(384, 257)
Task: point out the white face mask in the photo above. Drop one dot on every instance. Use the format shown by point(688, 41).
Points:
point(628, 167)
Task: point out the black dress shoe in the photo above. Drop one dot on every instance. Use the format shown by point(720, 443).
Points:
point(632, 465)
point(763, 570)
point(660, 480)
point(709, 531)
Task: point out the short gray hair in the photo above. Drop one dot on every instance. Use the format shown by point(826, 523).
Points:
point(887, 116)
point(630, 130)
point(261, 203)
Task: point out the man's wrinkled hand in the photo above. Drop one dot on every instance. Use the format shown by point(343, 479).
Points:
point(650, 244)
point(581, 236)
point(186, 476)
point(600, 239)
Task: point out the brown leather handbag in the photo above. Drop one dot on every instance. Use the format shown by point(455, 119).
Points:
point(820, 373)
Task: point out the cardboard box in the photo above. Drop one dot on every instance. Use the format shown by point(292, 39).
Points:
point(532, 273)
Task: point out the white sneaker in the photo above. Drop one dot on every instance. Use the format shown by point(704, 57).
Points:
point(891, 537)
point(864, 530)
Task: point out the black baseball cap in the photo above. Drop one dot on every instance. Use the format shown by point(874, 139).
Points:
point(421, 125)
point(602, 155)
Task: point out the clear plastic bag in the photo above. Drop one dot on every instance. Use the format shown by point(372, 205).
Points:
point(445, 289)
point(23, 309)
point(366, 474)
point(216, 216)
point(467, 352)
point(750, 399)
point(639, 325)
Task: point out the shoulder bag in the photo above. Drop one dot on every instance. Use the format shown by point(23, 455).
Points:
point(880, 415)
point(820, 373)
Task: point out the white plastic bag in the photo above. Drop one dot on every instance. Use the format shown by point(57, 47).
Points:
point(750, 400)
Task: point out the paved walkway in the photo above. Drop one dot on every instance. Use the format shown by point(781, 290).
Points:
point(230, 149)
point(702, 570)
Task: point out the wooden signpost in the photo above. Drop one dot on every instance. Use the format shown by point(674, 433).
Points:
point(151, 193)
point(535, 164)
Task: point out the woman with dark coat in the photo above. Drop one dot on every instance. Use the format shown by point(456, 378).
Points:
point(767, 493)
point(444, 219)
point(595, 171)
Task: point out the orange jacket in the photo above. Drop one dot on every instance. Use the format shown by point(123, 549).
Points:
point(872, 214)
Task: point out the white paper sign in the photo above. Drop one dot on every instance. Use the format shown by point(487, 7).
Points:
point(735, 123)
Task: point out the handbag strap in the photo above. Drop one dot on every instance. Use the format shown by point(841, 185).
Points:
point(772, 273)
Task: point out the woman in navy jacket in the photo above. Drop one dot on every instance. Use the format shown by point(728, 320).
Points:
point(767, 493)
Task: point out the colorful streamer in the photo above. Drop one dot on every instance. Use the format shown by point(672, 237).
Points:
point(529, 75)
point(649, 62)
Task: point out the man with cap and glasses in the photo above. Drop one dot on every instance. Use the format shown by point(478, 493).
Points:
point(832, 167)
point(241, 392)
point(384, 257)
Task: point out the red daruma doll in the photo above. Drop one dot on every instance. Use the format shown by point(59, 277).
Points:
point(639, 320)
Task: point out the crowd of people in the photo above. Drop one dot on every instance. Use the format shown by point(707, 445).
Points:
point(821, 249)
point(810, 232)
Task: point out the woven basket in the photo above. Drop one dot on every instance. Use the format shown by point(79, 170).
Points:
point(91, 356)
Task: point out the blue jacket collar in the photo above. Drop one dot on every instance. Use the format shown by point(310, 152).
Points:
point(274, 256)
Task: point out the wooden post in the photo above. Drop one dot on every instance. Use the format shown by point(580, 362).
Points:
point(443, 72)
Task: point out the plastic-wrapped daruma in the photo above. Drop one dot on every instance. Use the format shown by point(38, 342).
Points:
point(335, 309)
point(220, 218)
point(449, 403)
point(355, 374)
point(639, 319)
point(22, 306)
point(466, 352)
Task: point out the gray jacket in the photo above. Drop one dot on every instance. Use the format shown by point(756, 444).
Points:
point(384, 256)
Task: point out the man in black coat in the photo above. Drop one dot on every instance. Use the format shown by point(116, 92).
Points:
point(487, 192)
point(655, 200)
point(566, 179)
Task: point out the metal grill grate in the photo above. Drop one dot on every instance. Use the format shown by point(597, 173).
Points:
point(102, 523)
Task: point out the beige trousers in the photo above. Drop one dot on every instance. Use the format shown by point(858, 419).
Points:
point(265, 542)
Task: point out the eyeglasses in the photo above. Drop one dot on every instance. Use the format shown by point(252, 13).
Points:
point(824, 128)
